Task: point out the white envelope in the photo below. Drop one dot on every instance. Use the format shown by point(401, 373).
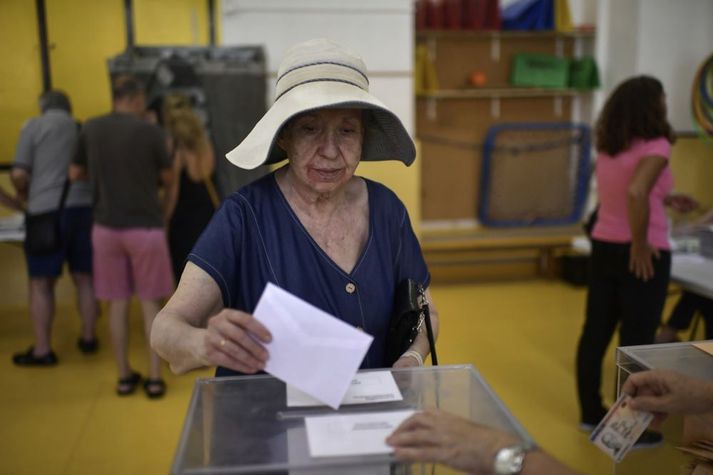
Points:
point(353, 434)
point(310, 349)
point(366, 388)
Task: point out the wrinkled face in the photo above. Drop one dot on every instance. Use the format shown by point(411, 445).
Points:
point(323, 147)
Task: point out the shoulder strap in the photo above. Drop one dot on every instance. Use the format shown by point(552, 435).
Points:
point(65, 192)
point(429, 329)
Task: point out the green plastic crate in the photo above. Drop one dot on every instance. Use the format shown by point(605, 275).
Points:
point(539, 70)
point(583, 73)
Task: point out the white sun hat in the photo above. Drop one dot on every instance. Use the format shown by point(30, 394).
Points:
point(320, 74)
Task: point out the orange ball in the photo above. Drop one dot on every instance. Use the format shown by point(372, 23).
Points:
point(478, 78)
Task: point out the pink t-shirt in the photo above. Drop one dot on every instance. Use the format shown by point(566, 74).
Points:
point(613, 177)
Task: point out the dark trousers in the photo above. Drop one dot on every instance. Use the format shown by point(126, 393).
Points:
point(615, 297)
point(686, 308)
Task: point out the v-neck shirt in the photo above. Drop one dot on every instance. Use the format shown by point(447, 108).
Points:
point(255, 237)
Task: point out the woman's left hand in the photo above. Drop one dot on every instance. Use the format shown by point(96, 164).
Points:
point(641, 260)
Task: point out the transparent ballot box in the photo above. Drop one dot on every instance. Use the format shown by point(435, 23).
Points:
point(682, 357)
point(243, 425)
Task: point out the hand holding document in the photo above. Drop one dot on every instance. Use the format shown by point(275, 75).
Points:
point(617, 433)
point(310, 349)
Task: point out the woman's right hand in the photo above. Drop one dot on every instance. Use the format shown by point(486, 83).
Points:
point(232, 340)
point(641, 260)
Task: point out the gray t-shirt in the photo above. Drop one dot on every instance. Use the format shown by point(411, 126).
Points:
point(45, 149)
point(124, 156)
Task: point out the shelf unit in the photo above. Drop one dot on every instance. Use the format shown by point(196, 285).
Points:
point(451, 123)
point(499, 92)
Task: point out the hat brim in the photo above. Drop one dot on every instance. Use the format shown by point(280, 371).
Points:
point(385, 137)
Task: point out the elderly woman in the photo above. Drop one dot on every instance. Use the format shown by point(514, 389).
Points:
point(312, 227)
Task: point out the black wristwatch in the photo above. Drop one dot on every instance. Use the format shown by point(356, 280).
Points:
point(509, 460)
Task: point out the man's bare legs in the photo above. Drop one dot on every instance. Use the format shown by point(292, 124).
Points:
point(119, 331)
point(42, 313)
point(156, 386)
point(119, 327)
point(86, 305)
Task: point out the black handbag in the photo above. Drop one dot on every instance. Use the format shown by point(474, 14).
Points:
point(410, 313)
point(591, 222)
point(42, 232)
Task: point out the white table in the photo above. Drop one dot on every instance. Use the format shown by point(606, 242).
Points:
point(694, 273)
point(691, 271)
point(12, 228)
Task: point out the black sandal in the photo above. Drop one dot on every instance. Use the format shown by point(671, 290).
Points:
point(154, 387)
point(88, 347)
point(28, 358)
point(129, 384)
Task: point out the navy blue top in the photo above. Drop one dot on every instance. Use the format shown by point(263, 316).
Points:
point(255, 238)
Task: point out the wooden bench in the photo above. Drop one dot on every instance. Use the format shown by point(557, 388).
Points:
point(478, 254)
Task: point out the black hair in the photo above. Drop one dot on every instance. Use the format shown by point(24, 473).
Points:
point(55, 99)
point(126, 86)
point(635, 109)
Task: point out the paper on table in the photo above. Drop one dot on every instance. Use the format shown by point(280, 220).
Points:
point(310, 349)
point(706, 346)
point(689, 259)
point(365, 388)
point(352, 434)
point(298, 456)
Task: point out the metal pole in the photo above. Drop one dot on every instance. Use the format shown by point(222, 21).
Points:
point(129, 19)
point(211, 22)
point(44, 47)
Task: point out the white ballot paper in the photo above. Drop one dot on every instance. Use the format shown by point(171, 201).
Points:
point(310, 349)
point(353, 434)
point(365, 388)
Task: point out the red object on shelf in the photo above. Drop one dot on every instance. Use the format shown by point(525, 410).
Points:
point(453, 14)
point(434, 14)
point(492, 15)
point(420, 7)
point(481, 14)
point(474, 14)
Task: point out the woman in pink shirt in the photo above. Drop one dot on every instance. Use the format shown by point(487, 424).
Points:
point(631, 260)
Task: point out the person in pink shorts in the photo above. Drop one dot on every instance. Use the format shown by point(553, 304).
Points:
point(126, 160)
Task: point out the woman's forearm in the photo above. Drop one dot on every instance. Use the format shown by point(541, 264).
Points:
point(177, 342)
point(638, 211)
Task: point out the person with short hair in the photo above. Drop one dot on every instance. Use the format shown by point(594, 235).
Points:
point(125, 159)
point(39, 174)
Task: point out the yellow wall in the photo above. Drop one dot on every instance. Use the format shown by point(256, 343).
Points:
point(184, 23)
point(404, 181)
point(82, 35)
point(20, 73)
point(692, 166)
